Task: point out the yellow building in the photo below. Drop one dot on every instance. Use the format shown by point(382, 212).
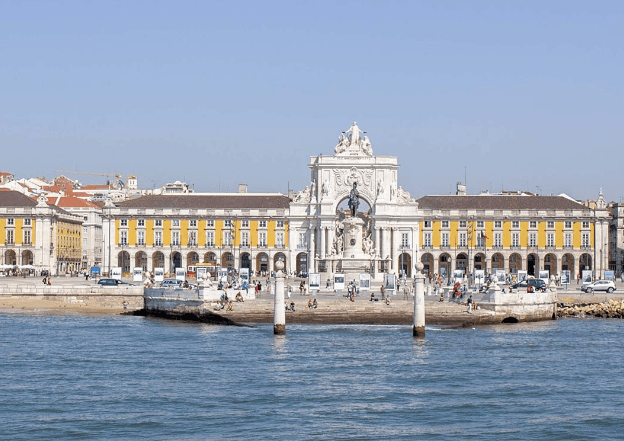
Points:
point(35, 236)
point(511, 233)
point(237, 230)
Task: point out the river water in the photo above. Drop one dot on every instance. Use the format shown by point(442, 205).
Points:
point(124, 377)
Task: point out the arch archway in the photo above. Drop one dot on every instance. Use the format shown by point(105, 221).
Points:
point(27, 257)
point(404, 263)
point(550, 263)
point(532, 264)
point(245, 261)
point(479, 262)
point(444, 266)
point(123, 261)
point(515, 263)
point(210, 257)
point(427, 261)
point(140, 259)
point(262, 263)
point(585, 262)
point(192, 259)
point(227, 260)
point(158, 260)
point(10, 258)
point(498, 262)
point(461, 261)
point(176, 261)
point(302, 264)
point(568, 264)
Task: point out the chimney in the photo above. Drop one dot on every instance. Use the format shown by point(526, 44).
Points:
point(461, 189)
point(242, 188)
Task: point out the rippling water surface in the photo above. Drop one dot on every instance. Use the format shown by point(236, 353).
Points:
point(121, 377)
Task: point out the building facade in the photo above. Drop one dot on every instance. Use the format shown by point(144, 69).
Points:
point(38, 236)
point(236, 230)
point(512, 233)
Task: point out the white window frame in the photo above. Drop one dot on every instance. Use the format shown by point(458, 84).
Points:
point(141, 237)
point(210, 238)
point(427, 239)
point(158, 239)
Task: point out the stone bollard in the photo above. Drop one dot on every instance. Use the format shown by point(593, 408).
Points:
point(418, 329)
point(279, 311)
point(429, 289)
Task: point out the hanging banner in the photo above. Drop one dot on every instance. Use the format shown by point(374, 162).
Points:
point(137, 274)
point(364, 282)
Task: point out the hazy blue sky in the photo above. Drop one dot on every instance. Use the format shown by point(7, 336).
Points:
point(526, 94)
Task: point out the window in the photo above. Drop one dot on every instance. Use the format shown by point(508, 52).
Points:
point(123, 238)
point(405, 240)
point(515, 224)
point(550, 239)
point(302, 240)
point(533, 240)
point(158, 223)
point(462, 224)
point(227, 238)
point(27, 239)
point(567, 240)
point(568, 224)
point(141, 222)
point(210, 239)
point(193, 223)
point(175, 238)
point(462, 239)
point(175, 223)
point(192, 239)
point(498, 224)
point(445, 224)
point(498, 240)
point(585, 224)
point(262, 224)
point(279, 240)
point(480, 224)
point(158, 238)
point(551, 224)
point(480, 240)
point(445, 239)
point(28, 222)
point(427, 240)
point(533, 224)
point(227, 223)
point(585, 240)
point(141, 237)
point(515, 240)
point(245, 239)
point(10, 221)
point(427, 224)
point(262, 236)
point(85, 242)
point(245, 224)
point(280, 224)
point(210, 222)
point(123, 222)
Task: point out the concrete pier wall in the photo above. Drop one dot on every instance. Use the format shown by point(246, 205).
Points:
point(125, 297)
point(522, 305)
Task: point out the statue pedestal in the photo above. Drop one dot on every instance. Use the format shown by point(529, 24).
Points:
point(353, 238)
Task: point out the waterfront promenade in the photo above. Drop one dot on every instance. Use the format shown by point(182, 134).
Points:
point(333, 308)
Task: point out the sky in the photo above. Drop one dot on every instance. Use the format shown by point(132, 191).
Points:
point(524, 95)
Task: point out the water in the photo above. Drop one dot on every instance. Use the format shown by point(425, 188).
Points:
point(121, 377)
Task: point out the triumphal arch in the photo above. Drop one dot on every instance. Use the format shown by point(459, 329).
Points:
point(353, 217)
